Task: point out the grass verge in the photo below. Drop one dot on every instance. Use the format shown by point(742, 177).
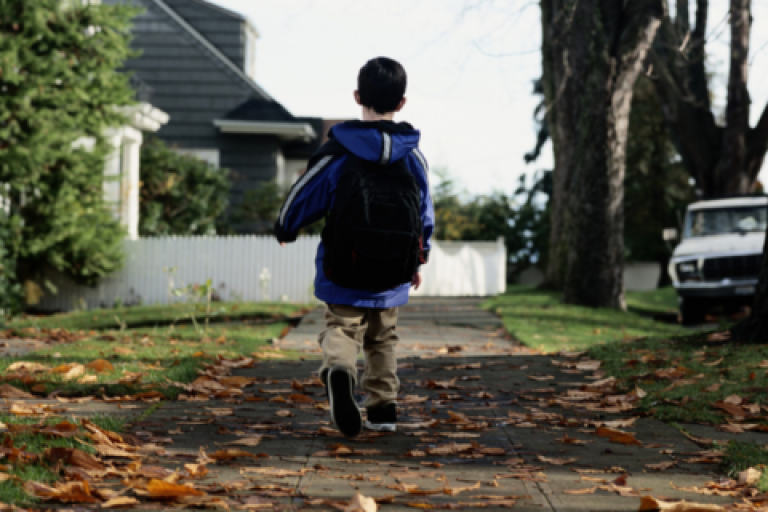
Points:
point(18, 472)
point(161, 314)
point(539, 320)
point(742, 456)
point(686, 376)
point(139, 359)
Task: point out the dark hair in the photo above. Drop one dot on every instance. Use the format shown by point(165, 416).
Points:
point(381, 84)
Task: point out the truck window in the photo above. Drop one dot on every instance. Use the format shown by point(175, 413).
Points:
point(720, 221)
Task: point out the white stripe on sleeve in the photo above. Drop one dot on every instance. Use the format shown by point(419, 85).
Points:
point(386, 152)
point(301, 184)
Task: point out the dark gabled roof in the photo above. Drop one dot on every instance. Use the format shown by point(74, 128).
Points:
point(258, 109)
point(302, 149)
point(221, 9)
point(208, 47)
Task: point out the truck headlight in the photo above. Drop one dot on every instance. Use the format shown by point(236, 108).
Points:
point(688, 271)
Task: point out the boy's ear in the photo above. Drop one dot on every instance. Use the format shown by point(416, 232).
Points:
point(401, 105)
point(357, 98)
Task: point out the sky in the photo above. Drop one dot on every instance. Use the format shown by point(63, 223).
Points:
point(470, 65)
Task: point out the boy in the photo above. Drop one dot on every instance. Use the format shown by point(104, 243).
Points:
point(370, 183)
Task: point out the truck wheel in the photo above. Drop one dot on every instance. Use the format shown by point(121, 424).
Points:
point(693, 312)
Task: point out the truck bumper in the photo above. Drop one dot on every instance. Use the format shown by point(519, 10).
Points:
point(727, 289)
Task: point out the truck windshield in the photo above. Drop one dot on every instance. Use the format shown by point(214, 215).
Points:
point(720, 221)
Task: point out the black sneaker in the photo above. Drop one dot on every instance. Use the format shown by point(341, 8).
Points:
point(382, 419)
point(344, 410)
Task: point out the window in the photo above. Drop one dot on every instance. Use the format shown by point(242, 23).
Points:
point(210, 156)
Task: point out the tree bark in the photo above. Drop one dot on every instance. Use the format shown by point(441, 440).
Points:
point(554, 74)
point(595, 50)
point(734, 154)
point(724, 160)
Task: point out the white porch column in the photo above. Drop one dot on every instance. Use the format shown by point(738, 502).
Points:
point(121, 184)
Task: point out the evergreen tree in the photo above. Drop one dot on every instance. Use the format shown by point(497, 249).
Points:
point(59, 94)
point(180, 195)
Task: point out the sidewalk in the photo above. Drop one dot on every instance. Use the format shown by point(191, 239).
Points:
point(484, 426)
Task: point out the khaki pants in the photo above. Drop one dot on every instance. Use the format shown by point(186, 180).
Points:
point(348, 329)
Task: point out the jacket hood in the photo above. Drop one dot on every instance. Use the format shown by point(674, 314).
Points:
point(377, 141)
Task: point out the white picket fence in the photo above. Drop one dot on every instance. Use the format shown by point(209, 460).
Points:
point(255, 268)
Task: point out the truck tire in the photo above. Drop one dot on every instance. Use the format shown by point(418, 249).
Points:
point(692, 311)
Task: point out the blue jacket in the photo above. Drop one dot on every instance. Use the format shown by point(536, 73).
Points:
point(313, 194)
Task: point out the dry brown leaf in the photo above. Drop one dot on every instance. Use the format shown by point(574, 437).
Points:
point(120, 501)
point(27, 367)
point(719, 336)
point(453, 491)
point(100, 366)
point(749, 476)
point(650, 503)
point(236, 382)
point(556, 460)
point(246, 441)
point(711, 389)
point(231, 453)
point(662, 466)
point(8, 391)
point(196, 470)
point(284, 413)
point(360, 503)
point(570, 440)
point(74, 457)
point(585, 490)
point(71, 492)
point(161, 489)
point(618, 436)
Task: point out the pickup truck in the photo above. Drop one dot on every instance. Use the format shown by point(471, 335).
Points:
point(719, 258)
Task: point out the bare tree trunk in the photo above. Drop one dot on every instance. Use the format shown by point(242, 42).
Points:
point(734, 153)
point(724, 160)
point(554, 74)
point(593, 51)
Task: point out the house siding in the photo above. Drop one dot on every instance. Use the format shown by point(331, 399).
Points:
point(224, 30)
point(195, 89)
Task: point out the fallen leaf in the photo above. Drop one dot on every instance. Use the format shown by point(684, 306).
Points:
point(719, 336)
point(749, 476)
point(231, 453)
point(453, 491)
point(120, 501)
point(161, 489)
point(556, 461)
point(586, 490)
point(617, 436)
point(196, 470)
point(360, 503)
point(100, 366)
point(246, 441)
point(652, 504)
point(8, 391)
point(661, 466)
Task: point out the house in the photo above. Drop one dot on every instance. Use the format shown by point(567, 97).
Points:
point(198, 59)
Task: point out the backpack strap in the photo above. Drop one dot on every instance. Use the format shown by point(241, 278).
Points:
point(332, 147)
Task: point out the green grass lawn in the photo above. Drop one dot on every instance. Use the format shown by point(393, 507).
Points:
point(709, 372)
point(40, 470)
point(160, 314)
point(539, 320)
point(157, 354)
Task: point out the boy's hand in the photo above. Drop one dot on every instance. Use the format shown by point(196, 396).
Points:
point(416, 281)
point(282, 244)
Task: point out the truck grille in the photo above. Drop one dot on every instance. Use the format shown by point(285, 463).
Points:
point(732, 267)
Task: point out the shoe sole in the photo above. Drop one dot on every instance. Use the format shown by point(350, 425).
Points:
point(344, 411)
point(381, 427)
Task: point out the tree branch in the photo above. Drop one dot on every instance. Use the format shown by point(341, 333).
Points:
point(683, 17)
point(702, 15)
point(758, 145)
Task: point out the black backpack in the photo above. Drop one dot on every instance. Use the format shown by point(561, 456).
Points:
point(373, 231)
